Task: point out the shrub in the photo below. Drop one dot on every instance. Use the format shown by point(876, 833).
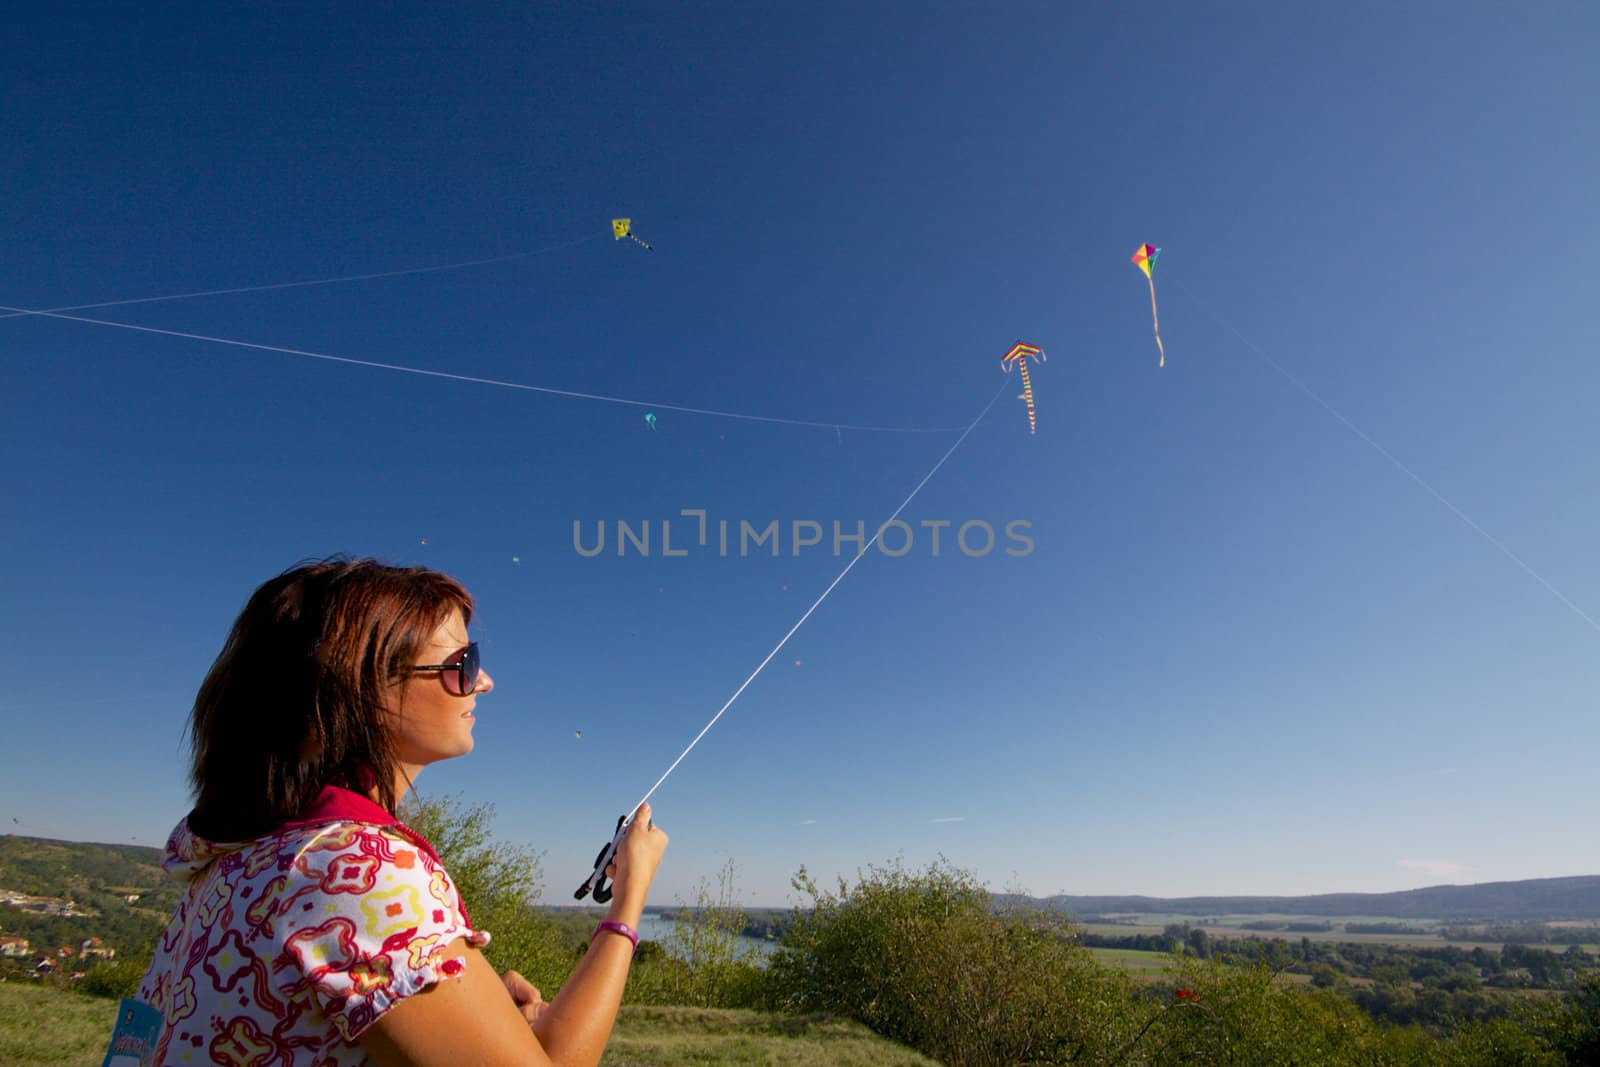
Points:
point(718, 969)
point(115, 980)
point(922, 959)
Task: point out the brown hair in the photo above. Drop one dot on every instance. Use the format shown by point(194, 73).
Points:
point(294, 701)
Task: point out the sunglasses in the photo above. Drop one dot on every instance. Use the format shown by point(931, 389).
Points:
point(461, 677)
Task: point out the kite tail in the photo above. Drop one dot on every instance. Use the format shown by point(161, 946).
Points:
point(640, 243)
point(1027, 392)
point(1156, 319)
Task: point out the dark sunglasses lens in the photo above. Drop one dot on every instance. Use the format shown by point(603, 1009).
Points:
point(467, 671)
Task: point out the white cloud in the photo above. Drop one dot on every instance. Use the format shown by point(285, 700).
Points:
point(808, 822)
point(952, 818)
point(1437, 870)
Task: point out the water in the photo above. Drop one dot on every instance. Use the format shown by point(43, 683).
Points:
point(652, 927)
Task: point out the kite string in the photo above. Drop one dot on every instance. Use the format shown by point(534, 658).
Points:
point(817, 603)
point(573, 394)
point(19, 313)
point(1155, 319)
point(1393, 460)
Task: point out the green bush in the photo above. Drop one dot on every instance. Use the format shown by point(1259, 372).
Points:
point(922, 959)
point(115, 980)
point(1229, 1014)
point(718, 970)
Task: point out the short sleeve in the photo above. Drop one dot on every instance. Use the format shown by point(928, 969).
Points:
point(375, 917)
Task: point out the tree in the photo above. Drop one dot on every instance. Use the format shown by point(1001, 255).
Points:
point(498, 882)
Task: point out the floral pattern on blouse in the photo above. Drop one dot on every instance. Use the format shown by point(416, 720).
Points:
point(286, 948)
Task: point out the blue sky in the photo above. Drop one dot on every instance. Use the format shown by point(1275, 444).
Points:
point(1248, 654)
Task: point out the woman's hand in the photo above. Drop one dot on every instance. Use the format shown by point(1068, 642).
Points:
point(523, 993)
point(638, 855)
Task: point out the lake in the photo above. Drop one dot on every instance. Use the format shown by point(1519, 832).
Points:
point(652, 927)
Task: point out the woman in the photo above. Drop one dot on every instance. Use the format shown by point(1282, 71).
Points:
point(316, 928)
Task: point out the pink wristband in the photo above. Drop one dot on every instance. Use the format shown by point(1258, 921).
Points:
point(617, 928)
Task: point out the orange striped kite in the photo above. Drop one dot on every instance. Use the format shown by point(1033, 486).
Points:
point(1020, 354)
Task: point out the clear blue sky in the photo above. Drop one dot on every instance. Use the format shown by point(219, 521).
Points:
point(1248, 654)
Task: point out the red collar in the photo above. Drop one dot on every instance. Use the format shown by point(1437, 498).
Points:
point(337, 804)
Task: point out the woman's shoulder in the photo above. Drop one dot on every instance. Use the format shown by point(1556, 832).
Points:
point(356, 844)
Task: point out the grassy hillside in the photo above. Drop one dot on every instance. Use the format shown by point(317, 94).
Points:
point(42, 867)
point(42, 1026)
point(98, 879)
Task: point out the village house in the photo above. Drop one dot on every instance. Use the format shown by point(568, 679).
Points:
point(94, 948)
point(14, 946)
point(41, 905)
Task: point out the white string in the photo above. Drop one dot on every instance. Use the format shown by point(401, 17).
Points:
point(657, 405)
point(18, 313)
point(1393, 460)
point(816, 603)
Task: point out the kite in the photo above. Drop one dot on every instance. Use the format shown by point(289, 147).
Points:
point(621, 228)
point(1019, 355)
point(1144, 257)
point(650, 419)
point(578, 734)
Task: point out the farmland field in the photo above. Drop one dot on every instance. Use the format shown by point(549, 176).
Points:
point(1133, 960)
point(1146, 923)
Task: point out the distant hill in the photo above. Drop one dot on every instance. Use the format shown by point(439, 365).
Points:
point(1532, 900)
point(58, 868)
point(44, 867)
point(118, 893)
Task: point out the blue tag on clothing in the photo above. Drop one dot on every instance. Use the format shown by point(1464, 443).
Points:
point(133, 1042)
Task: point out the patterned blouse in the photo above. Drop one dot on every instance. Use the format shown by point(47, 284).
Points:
point(286, 947)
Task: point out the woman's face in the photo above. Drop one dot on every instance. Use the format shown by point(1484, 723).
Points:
point(428, 723)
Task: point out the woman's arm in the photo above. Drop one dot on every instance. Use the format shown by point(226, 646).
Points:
point(473, 1019)
point(466, 1019)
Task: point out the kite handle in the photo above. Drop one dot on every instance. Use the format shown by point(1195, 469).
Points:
point(597, 882)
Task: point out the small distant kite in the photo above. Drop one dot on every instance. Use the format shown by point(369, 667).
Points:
point(578, 734)
point(650, 419)
point(1020, 354)
point(621, 228)
point(516, 559)
point(1144, 257)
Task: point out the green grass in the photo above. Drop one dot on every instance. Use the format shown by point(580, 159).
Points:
point(43, 1026)
point(679, 1037)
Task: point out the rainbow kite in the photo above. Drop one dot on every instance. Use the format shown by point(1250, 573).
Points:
point(1144, 257)
point(1020, 354)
